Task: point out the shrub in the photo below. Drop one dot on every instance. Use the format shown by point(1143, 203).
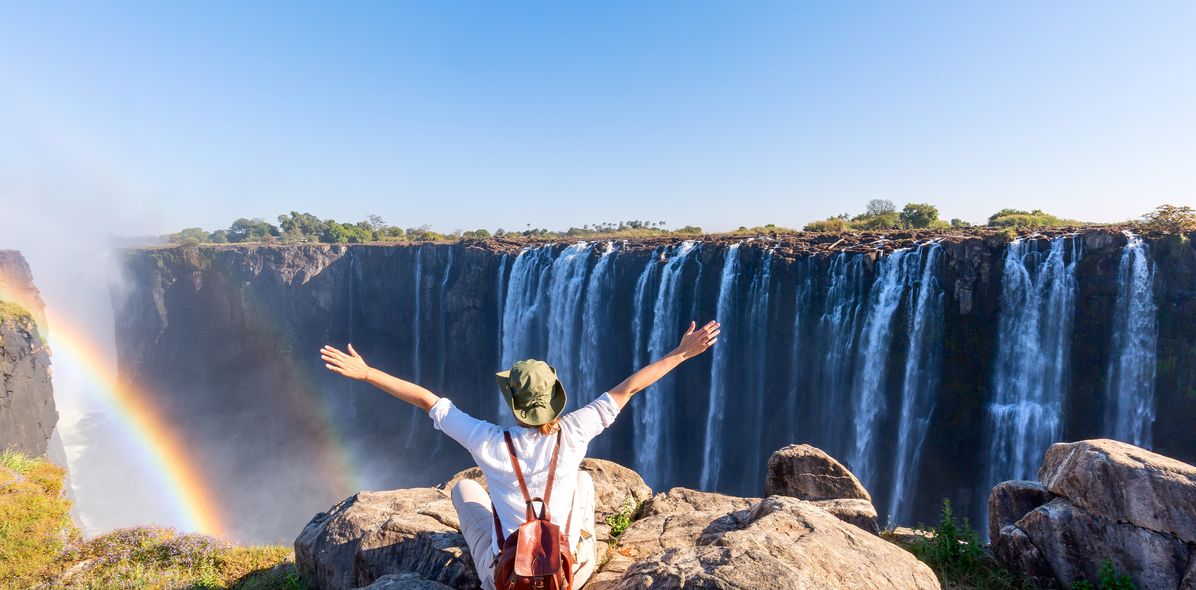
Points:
point(1108, 579)
point(919, 215)
point(1019, 218)
point(829, 225)
point(1170, 219)
point(954, 552)
point(622, 519)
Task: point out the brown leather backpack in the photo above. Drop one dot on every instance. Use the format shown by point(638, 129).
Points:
point(535, 556)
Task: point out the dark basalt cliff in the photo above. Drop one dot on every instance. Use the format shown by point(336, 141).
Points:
point(226, 338)
point(27, 413)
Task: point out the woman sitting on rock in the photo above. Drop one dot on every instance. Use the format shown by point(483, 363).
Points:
point(537, 398)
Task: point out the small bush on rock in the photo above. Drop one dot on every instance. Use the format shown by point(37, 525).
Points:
point(622, 519)
point(1108, 579)
point(954, 552)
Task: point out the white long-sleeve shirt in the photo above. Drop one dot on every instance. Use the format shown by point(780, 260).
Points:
point(486, 443)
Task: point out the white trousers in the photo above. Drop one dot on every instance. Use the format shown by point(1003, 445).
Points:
point(477, 525)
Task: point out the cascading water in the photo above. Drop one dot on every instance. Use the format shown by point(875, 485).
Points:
point(1038, 292)
point(653, 432)
point(1129, 395)
point(868, 391)
point(416, 349)
point(564, 303)
point(712, 459)
point(920, 382)
point(596, 319)
point(802, 301)
point(837, 332)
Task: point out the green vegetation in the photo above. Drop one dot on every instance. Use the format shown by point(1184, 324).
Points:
point(35, 521)
point(1170, 219)
point(12, 311)
point(40, 547)
point(1035, 218)
point(882, 214)
point(622, 519)
point(1108, 579)
point(297, 228)
point(954, 552)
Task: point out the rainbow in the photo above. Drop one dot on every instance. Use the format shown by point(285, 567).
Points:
point(155, 440)
point(157, 443)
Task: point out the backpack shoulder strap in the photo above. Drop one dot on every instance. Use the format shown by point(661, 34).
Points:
point(556, 450)
point(527, 498)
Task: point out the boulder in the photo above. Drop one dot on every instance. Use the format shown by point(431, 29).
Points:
point(1013, 549)
point(1011, 500)
point(806, 472)
point(781, 542)
point(407, 581)
point(860, 513)
point(1073, 542)
point(373, 534)
point(1124, 483)
point(677, 518)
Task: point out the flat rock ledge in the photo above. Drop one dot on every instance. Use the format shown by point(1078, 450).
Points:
point(681, 538)
point(1099, 500)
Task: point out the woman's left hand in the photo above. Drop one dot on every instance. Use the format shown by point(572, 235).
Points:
point(350, 365)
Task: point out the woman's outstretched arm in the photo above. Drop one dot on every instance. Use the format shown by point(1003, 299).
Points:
point(351, 365)
point(693, 343)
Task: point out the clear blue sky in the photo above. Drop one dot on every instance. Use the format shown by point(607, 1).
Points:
point(151, 117)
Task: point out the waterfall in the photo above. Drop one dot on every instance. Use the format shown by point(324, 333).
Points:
point(712, 457)
point(919, 385)
point(1129, 393)
point(442, 339)
point(802, 301)
point(595, 320)
point(837, 335)
point(416, 308)
point(756, 363)
point(416, 373)
point(653, 430)
point(1033, 351)
point(564, 297)
point(868, 391)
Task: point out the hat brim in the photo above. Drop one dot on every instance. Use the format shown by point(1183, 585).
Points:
point(535, 416)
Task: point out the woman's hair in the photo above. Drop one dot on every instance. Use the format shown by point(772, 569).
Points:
point(550, 427)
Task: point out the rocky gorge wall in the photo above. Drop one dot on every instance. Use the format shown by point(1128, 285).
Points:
point(930, 363)
point(27, 411)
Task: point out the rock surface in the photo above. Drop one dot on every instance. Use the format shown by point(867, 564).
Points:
point(679, 538)
point(1074, 541)
point(1124, 483)
point(27, 411)
point(1011, 500)
point(1099, 500)
point(782, 542)
point(373, 534)
point(806, 472)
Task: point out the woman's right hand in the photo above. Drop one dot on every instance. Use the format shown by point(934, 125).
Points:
point(350, 365)
point(696, 341)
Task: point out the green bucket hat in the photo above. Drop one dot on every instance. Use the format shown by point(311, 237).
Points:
point(533, 391)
